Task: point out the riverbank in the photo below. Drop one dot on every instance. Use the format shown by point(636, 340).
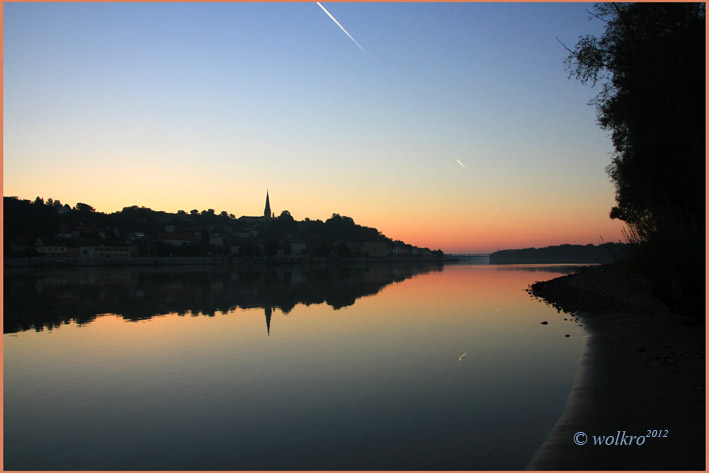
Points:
point(52, 261)
point(643, 370)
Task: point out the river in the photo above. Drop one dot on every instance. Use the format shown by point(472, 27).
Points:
point(357, 367)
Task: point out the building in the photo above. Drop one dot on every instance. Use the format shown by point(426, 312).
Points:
point(50, 248)
point(298, 249)
point(267, 211)
point(368, 249)
point(175, 239)
point(216, 240)
point(106, 250)
point(114, 251)
point(267, 214)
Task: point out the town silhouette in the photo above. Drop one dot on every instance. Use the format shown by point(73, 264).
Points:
point(81, 234)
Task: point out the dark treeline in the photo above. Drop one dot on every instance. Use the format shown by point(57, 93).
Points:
point(604, 253)
point(651, 65)
point(46, 299)
point(193, 233)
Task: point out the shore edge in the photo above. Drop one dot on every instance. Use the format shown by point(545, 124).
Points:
point(69, 262)
point(642, 371)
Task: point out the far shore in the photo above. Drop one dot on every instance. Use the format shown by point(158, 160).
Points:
point(57, 261)
point(642, 371)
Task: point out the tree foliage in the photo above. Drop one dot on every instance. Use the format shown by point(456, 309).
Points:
point(651, 65)
point(26, 221)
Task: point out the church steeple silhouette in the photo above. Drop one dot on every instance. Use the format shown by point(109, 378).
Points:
point(267, 210)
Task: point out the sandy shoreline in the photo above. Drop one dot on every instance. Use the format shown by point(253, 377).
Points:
point(642, 369)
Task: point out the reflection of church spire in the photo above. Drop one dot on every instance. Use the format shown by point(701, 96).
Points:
point(268, 319)
point(267, 210)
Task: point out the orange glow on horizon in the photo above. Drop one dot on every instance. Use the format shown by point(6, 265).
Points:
point(454, 221)
point(491, 233)
point(482, 230)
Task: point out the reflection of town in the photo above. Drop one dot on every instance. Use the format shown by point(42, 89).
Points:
point(44, 299)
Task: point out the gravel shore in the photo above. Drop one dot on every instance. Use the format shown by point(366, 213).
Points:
point(643, 370)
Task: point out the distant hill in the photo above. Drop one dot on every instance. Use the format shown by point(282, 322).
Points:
point(605, 253)
point(38, 229)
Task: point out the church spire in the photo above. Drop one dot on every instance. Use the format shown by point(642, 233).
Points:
point(267, 210)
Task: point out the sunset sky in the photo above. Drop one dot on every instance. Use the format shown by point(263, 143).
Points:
point(181, 106)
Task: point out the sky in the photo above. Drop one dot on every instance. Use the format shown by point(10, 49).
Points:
point(181, 106)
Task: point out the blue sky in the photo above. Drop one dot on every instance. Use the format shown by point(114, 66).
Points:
point(205, 105)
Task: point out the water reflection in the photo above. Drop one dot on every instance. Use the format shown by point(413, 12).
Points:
point(449, 370)
point(45, 299)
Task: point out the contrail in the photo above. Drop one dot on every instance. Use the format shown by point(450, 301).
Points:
point(461, 356)
point(461, 164)
point(341, 27)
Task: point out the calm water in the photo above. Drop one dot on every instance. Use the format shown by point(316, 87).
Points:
point(370, 367)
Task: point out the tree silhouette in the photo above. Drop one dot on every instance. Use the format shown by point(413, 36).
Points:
point(83, 208)
point(650, 62)
point(26, 221)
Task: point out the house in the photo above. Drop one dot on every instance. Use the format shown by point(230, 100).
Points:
point(105, 251)
point(216, 240)
point(133, 236)
point(368, 249)
point(87, 250)
point(401, 251)
point(90, 249)
point(24, 246)
point(297, 249)
point(66, 231)
point(175, 239)
point(50, 248)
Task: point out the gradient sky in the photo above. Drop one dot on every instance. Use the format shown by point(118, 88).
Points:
point(206, 105)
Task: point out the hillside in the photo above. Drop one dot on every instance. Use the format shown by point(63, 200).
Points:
point(605, 253)
point(40, 228)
